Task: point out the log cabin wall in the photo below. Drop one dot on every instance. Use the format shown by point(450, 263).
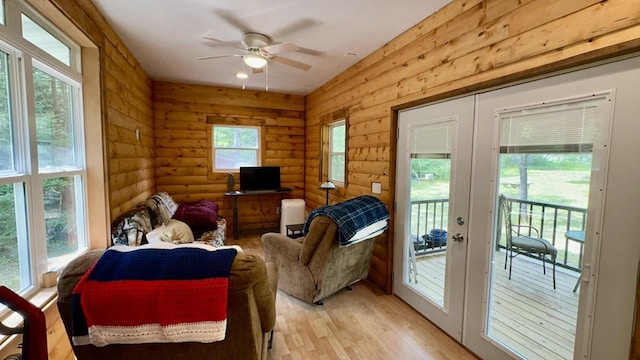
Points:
point(181, 114)
point(466, 46)
point(127, 108)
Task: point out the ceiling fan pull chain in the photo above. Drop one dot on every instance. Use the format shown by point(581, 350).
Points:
point(266, 76)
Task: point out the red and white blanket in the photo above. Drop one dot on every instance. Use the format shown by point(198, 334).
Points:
point(154, 293)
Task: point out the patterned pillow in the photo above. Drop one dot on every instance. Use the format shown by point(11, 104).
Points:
point(215, 237)
point(130, 227)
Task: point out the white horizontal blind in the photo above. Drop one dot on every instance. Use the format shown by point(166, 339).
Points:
point(552, 126)
point(436, 138)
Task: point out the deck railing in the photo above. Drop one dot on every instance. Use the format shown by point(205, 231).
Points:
point(552, 220)
point(427, 215)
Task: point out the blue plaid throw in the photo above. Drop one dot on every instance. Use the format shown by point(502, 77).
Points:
point(351, 216)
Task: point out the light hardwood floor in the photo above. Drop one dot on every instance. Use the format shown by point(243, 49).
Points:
point(361, 324)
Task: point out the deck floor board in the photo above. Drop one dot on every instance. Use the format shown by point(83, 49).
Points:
point(528, 315)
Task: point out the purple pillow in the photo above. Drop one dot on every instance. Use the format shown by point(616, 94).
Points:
point(201, 216)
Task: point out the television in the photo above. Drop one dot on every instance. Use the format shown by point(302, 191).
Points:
point(256, 178)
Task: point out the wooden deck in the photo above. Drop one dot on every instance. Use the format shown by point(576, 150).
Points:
point(527, 314)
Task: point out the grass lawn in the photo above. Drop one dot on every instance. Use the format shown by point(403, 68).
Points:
point(562, 187)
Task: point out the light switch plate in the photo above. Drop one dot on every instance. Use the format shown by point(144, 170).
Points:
point(376, 188)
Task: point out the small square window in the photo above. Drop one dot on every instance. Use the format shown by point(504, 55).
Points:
point(234, 146)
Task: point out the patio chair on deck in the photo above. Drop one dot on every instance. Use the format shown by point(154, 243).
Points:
point(518, 243)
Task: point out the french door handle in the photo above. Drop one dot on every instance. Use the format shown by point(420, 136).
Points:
point(458, 237)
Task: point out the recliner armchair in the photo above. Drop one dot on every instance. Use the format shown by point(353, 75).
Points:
point(314, 267)
point(251, 316)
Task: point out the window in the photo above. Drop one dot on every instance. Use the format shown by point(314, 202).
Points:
point(234, 146)
point(2, 18)
point(42, 153)
point(336, 156)
point(41, 38)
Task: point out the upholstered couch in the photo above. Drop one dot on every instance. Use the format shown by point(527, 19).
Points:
point(314, 267)
point(251, 316)
point(160, 210)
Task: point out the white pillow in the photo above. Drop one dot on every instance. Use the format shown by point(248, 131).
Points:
point(154, 236)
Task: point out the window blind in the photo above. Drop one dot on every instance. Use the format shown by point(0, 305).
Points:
point(433, 139)
point(567, 127)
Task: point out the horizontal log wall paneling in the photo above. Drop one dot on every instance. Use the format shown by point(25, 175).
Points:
point(182, 168)
point(127, 109)
point(466, 46)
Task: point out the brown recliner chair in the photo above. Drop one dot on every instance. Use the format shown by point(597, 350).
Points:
point(315, 266)
point(251, 316)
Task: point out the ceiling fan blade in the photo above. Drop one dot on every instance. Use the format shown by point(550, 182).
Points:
point(310, 51)
point(280, 48)
point(257, 70)
point(289, 62)
point(216, 57)
point(233, 20)
point(218, 42)
point(293, 27)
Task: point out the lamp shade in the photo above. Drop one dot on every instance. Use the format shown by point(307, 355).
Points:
point(254, 61)
point(328, 185)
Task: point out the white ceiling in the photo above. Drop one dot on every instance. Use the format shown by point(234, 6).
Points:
point(166, 36)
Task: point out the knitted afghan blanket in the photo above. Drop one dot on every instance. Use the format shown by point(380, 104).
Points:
point(154, 293)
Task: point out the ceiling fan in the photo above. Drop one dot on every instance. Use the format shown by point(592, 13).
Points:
point(260, 49)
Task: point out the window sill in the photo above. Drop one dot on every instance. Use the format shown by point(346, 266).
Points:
point(41, 298)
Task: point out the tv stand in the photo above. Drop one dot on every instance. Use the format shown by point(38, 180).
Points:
point(236, 194)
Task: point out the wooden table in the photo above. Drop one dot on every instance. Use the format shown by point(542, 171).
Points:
point(237, 194)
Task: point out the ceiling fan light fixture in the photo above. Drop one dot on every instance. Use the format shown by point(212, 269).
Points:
point(254, 61)
point(241, 75)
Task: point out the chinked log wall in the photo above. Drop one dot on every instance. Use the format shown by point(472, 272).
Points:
point(181, 115)
point(468, 45)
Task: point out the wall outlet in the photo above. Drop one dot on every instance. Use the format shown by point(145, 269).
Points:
point(376, 188)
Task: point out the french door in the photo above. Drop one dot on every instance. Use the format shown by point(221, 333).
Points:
point(434, 160)
point(558, 150)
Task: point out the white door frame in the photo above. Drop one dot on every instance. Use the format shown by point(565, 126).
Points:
point(609, 280)
point(448, 317)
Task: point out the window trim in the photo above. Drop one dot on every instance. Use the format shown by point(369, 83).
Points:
point(331, 153)
point(325, 138)
point(89, 164)
point(214, 173)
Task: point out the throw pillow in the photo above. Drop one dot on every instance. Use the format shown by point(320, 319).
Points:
point(155, 235)
point(201, 216)
point(176, 232)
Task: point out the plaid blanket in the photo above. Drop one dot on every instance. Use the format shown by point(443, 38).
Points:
point(351, 216)
point(153, 293)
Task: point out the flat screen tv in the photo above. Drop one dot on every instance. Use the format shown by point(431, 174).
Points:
point(256, 178)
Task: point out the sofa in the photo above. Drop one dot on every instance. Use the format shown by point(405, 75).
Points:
point(197, 221)
point(251, 316)
point(315, 266)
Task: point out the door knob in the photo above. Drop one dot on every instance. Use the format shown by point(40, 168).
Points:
point(458, 237)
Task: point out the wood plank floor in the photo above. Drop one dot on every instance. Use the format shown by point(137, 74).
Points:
point(527, 315)
point(360, 324)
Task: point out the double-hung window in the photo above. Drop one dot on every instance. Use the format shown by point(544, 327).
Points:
point(234, 146)
point(42, 152)
point(337, 152)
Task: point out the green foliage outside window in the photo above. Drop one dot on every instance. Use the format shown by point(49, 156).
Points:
point(235, 146)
